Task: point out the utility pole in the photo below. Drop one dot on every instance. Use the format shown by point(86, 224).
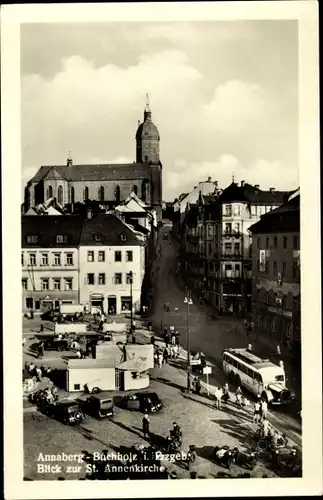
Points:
point(131, 305)
point(188, 301)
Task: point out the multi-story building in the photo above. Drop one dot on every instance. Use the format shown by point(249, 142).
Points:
point(276, 272)
point(110, 256)
point(81, 260)
point(50, 261)
point(222, 267)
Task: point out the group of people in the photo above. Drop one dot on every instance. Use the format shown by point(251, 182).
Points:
point(222, 394)
point(171, 336)
point(163, 354)
point(37, 371)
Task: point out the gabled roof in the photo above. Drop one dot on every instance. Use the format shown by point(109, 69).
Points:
point(101, 172)
point(250, 194)
point(107, 229)
point(284, 218)
point(46, 228)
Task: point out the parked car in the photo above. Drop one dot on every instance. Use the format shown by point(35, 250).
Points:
point(99, 406)
point(143, 401)
point(66, 411)
point(50, 315)
point(56, 344)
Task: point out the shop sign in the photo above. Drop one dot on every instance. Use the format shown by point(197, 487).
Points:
point(287, 314)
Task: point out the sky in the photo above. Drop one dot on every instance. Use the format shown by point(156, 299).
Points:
point(223, 94)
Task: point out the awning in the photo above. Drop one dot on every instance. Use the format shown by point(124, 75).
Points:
point(97, 296)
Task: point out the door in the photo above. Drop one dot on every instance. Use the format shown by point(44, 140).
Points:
point(112, 305)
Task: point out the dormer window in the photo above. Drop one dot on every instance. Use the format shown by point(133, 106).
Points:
point(123, 237)
point(97, 237)
point(61, 238)
point(32, 238)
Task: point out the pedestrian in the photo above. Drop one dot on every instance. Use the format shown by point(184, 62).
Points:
point(40, 350)
point(133, 337)
point(176, 350)
point(165, 330)
point(226, 395)
point(265, 428)
point(281, 364)
point(145, 425)
point(263, 409)
point(156, 359)
point(160, 359)
point(173, 338)
point(38, 374)
point(41, 328)
point(218, 396)
point(165, 355)
point(239, 396)
point(152, 340)
point(192, 466)
point(197, 385)
point(249, 347)
point(23, 341)
point(278, 350)
point(79, 354)
point(256, 415)
point(177, 340)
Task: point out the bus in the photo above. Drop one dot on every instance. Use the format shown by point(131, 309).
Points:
point(256, 375)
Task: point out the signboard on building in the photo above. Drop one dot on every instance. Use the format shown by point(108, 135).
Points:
point(280, 312)
point(262, 261)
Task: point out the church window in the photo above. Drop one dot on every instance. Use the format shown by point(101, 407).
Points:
point(135, 189)
point(101, 193)
point(72, 195)
point(60, 195)
point(86, 193)
point(49, 192)
point(117, 194)
point(144, 191)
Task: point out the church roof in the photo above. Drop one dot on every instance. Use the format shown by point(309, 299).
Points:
point(101, 172)
point(147, 129)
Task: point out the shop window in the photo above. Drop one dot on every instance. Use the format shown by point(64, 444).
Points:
point(125, 304)
point(29, 303)
point(37, 305)
point(56, 304)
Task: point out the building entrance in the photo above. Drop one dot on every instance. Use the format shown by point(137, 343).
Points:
point(112, 304)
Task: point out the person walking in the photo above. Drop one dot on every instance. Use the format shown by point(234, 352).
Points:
point(165, 356)
point(249, 347)
point(281, 364)
point(197, 385)
point(226, 394)
point(160, 359)
point(218, 396)
point(173, 338)
point(264, 409)
point(239, 396)
point(38, 374)
point(40, 350)
point(41, 328)
point(265, 426)
point(145, 425)
point(278, 351)
point(152, 340)
point(256, 415)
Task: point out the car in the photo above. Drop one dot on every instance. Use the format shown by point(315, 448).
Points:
point(67, 411)
point(56, 344)
point(99, 406)
point(143, 401)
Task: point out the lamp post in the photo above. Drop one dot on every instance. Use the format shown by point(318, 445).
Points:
point(188, 301)
point(130, 275)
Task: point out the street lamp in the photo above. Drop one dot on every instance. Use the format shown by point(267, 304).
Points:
point(130, 277)
point(189, 302)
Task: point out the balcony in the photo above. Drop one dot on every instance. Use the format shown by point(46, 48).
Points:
point(231, 256)
point(232, 274)
point(232, 234)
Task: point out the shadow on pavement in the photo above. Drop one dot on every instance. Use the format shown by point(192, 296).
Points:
point(243, 436)
point(126, 428)
point(168, 382)
point(205, 452)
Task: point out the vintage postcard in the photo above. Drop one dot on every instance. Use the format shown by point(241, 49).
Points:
point(161, 201)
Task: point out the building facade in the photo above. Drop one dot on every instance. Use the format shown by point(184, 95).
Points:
point(81, 260)
point(217, 250)
point(276, 273)
point(70, 184)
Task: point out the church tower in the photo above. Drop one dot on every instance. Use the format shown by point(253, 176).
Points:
point(147, 140)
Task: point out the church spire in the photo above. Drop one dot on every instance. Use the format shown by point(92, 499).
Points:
point(147, 113)
point(69, 160)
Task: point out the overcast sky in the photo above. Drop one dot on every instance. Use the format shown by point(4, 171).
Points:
point(224, 96)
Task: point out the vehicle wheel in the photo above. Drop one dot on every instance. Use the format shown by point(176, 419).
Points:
point(238, 380)
point(78, 416)
point(95, 390)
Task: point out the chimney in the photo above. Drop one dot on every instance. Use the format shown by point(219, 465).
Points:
point(89, 213)
point(209, 179)
point(257, 186)
point(271, 190)
point(242, 183)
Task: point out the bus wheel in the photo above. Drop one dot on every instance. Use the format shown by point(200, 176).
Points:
point(238, 381)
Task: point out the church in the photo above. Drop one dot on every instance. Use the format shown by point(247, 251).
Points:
point(69, 184)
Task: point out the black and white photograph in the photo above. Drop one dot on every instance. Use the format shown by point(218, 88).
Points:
point(164, 309)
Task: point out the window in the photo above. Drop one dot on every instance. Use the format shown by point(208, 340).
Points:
point(69, 259)
point(275, 241)
point(101, 193)
point(77, 387)
point(22, 259)
point(117, 256)
point(129, 255)
point(250, 373)
point(267, 298)
point(129, 278)
point(227, 248)
point(295, 268)
point(32, 238)
point(97, 237)
point(24, 283)
point(135, 189)
point(44, 283)
point(86, 193)
point(285, 242)
point(61, 238)
point(117, 194)
point(295, 242)
point(101, 278)
point(210, 248)
point(275, 268)
point(60, 195)
point(209, 230)
point(237, 227)
point(32, 259)
point(90, 256)
point(57, 259)
point(101, 256)
point(237, 249)
point(44, 259)
point(237, 210)
point(267, 243)
point(68, 284)
point(258, 242)
point(118, 279)
point(284, 269)
point(57, 283)
point(146, 158)
point(29, 303)
point(49, 192)
point(125, 304)
point(228, 210)
point(72, 191)
point(123, 237)
point(258, 377)
point(37, 305)
point(90, 279)
point(228, 228)
point(253, 210)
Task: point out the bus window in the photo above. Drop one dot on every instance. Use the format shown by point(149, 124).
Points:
point(243, 368)
point(225, 358)
point(279, 378)
point(258, 377)
point(250, 373)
